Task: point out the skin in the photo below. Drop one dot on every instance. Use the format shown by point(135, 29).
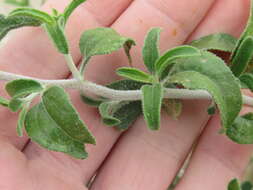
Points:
point(138, 159)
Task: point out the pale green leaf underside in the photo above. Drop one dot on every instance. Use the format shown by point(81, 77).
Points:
point(150, 51)
point(43, 130)
point(135, 74)
point(210, 73)
point(241, 130)
point(151, 104)
point(220, 41)
point(59, 108)
point(102, 41)
point(22, 87)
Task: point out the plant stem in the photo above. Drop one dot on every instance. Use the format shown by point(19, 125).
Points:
point(73, 67)
point(118, 95)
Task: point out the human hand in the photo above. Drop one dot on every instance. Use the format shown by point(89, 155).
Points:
point(138, 159)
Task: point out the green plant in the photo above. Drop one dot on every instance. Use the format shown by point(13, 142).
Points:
point(185, 72)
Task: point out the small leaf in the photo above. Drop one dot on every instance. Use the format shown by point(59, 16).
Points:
point(210, 73)
point(38, 15)
point(135, 74)
point(70, 8)
point(151, 104)
point(241, 130)
point(211, 110)
point(57, 35)
point(18, 2)
point(247, 80)
point(14, 22)
point(243, 56)
point(21, 120)
point(234, 185)
point(61, 111)
point(171, 55)
point(107, 109)
point(4, 102)
point(150, 51)
point(102, 41)
point(246, 185)
point(23, 87)
point(16, 104)
point(45, 131)
point(173, 107)
point(220, 42)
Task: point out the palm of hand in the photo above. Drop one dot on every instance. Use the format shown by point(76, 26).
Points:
point(139, 159)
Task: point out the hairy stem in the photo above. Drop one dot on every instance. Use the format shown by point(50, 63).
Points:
point(73, 67)
point(99, 90)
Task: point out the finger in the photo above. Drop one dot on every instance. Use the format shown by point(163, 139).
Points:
point(98, 70)
point(146, 160)
point(216, 160)
point(30, 52)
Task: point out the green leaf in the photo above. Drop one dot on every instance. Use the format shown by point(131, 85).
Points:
point(220, 42)
point(127, 114)
point(45, 131)
point(59, 108)
point(90, 101)
point(70, 8)
point(125, 85)
point(135, 74)
point(247, 79)
point(102, 41)
point(151, 104)
point(173, 107)
point(234, 185)
point(210, 73)
point(171, 55)
point(14, 22)
point(241, 130)
point(15, 104)
point(150, 51)
point(107, 109)
point(248, 31)
point(38, 15)
point(246, 185)
point(21, 120)
point(56, 32)
point(243, 56)
point(23, 87)
point(18, 2)
point(4, 102)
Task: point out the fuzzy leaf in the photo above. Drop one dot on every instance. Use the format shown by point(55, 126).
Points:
point(135, 74)
point(9, 23)
point(210, 73)
point(247, 80)
point(70, 8)
point(57, 35)
point(23, 87)
point(243, 56)
point(60, 110)
point(241, 130)
point(234, 185)
point(107, 109)
point(21, 121)
point(45, 131)
point(151, 104)
point(167, 59)
point(4, 102)
point(173, 107)
point(220, 42)
point(150, 51)
point(102, 41)
point(15, 104)
point(38, 15)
